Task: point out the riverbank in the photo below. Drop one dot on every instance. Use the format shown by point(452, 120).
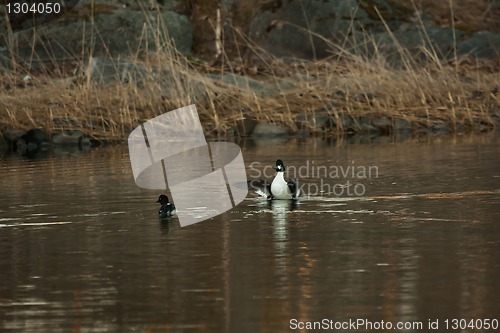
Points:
point(99, 99)
point(327, 98)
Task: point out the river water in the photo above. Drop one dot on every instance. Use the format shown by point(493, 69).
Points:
point(386, 233)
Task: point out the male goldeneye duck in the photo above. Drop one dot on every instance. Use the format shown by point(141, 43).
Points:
point(281, 188)
point(167, 209)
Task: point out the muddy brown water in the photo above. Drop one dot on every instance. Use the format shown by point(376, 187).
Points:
point(413, 239)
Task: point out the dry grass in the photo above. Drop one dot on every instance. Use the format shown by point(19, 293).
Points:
point(463, 94)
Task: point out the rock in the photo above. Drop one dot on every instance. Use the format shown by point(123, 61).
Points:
point(31, 141)
point(269, 130)
point(12, 135)
point(364, 97)
point(120, 32)
point(105, 71)
point(364, 126)
point(65, 122)
point(482, 44)
point(459, 128)
point(441, 128)
point(402, 136)
point(85, 144)
point(4, 146)
point(302, 134)
point(438, 40)
point(23, 147)
point(36, 136)
point(239, 81)
point(247, 83)
point(402, 125)
point(246, 126)
point(283, 29)
point(341, 122)
point(383, 123)
point(68, 138)
point(313, 120)
point(496, 120)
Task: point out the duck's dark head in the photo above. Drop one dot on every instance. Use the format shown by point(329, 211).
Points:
point(162, 199)
point(280, 167)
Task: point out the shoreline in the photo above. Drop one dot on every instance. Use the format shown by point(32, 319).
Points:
point(396, 77)
point(38, 141)
point(329, 100)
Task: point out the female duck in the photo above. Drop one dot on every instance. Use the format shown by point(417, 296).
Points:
point(167, 209)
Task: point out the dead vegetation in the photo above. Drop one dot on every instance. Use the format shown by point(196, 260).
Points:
point(463, 94)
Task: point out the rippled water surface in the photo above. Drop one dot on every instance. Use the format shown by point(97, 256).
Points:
point(414, 238)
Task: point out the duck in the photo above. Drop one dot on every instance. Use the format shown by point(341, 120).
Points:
point(280, 188)
point(167, 208)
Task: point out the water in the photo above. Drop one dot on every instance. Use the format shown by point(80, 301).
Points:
point(82, 250)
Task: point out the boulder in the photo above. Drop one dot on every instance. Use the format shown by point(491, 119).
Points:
point(67, 138)
point(116, 31)
point(104, 71)
point(291, 28)
point(482, 44)
point(313, 120)
point(12, 135)
point(402, 125)
point(382, 123)
point(36, 136)
point(416, 43)
point(441, 128)
point(4, 146)
point(269, 130)
point(246, 126)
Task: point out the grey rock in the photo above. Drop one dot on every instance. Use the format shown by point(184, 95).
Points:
point(283, 31)
point(85, 144)
point(402, 125)
point(441, 128)
point(291, 29)
point(105, 71)
point(495, 119)
point(67, 138)
point(302, 134)
point(402, 136)
point(315, 121)
point(359, 138)
point(382, 123)
point(64, 122)
point(118, 32)
point(482, 44)
point(248, 83)
point(437, 41)
point(12, 135)
point(363, 124)
point(266, 130)
point(4, 146)
point(242, 82)
point(246, 126)
point(349, 124)
point(36, 136)
point(341, 122)
point(23, 147)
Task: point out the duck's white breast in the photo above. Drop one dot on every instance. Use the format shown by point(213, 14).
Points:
point(279, 187)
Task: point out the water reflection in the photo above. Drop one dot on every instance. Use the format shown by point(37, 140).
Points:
point(82, 249)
